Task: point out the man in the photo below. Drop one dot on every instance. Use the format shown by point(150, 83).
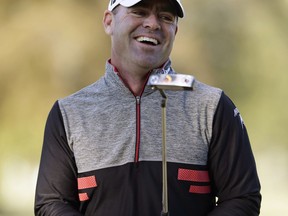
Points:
point(102, 145)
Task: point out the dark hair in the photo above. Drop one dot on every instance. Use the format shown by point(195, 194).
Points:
point(115, 10)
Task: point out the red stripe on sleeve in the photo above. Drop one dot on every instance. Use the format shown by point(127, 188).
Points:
point(193, 175)
point(83, 197)
point(87, 182)
point(200, 189)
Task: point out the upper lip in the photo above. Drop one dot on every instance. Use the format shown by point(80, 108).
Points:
point(147, 38)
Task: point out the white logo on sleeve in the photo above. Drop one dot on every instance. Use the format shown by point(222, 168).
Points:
point(237, 113)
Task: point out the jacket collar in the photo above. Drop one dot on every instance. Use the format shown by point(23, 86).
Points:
point(165, 69)
point(112, 75)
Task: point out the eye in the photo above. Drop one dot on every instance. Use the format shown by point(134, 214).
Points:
point(138, 12)
point(167, 17)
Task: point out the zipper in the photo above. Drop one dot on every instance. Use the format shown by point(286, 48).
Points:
point(138, 116)
point(138, 112)
point(138, 121)
point(138, 128)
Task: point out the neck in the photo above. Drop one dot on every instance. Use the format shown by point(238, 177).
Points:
point(135, 83)
point(134, 77)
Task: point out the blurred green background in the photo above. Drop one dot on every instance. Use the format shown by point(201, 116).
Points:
point(50, 49)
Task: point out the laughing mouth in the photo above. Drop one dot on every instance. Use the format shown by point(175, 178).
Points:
point(148, 40)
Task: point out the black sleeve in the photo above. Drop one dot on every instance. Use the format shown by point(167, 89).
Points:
point(232, 165)
point(56, 190)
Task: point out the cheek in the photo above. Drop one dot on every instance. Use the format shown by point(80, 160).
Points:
point(171, 33)
point(174, 30)
point(171, 38)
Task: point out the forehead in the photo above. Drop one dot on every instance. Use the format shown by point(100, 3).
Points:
point(162, 5)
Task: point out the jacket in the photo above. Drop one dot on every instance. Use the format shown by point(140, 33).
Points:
point(102, 155)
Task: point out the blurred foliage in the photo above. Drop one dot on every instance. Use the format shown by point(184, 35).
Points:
point(242, 47)
point(52, 48)
point(48, 50)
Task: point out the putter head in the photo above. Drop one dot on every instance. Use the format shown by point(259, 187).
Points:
point(174, 82)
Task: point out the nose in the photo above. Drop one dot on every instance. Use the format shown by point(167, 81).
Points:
point(152, 22)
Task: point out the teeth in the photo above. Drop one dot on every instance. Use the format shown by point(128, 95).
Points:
point(147, 39)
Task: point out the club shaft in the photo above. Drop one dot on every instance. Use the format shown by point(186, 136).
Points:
point(164, 159)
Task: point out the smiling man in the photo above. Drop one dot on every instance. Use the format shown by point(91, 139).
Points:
point(142, 37)
point(102, 150)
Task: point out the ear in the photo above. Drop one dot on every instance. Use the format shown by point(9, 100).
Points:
point(176, 30)
point(107, 22)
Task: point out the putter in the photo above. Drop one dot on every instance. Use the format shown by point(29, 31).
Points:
point(173, 82)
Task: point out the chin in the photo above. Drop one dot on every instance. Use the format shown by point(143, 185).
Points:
point(151, 63)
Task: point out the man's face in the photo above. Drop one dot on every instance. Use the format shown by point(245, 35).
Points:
point(143, 34)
